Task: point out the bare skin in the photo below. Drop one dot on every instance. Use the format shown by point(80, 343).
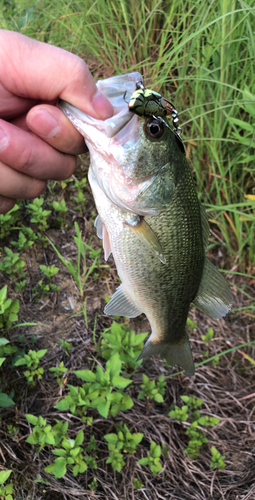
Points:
point(33, 131)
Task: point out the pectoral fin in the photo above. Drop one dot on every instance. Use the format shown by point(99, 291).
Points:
point(178, 353)
point(146, 235)
point(121, 305)
point(214, 296)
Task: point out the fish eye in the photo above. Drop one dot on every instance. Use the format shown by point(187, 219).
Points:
point(154, 129)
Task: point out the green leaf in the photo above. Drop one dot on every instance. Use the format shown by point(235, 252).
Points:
point(120, 382)
point(86, 375)
point(103, 409)
point(158, 398)
point(143, 461)
point(60, 452)
point(111, 438)
point(157, 451)
point(114, 365)
point(4, 475)
point(79, 438)
point(32, 419)
point(5, 400)
point(60, 467)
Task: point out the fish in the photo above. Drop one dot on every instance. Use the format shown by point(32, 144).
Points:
point(150, 219)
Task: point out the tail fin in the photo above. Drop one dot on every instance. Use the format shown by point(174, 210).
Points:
point(178, 353)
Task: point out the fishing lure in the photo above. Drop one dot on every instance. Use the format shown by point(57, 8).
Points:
point(146, 102)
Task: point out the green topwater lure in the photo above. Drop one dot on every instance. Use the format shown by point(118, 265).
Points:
point(146, 102)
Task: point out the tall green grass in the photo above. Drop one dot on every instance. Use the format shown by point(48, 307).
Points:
point(200, 55)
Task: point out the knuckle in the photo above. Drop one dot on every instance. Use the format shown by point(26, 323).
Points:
point(36, 188)
point(6, 204)
point(67, 168)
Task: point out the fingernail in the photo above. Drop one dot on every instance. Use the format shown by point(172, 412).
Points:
point(3, 139)
point(102, 106)
point(44, 124)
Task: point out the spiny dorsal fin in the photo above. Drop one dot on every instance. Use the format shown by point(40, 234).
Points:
point(214, 296)
point(121, 305)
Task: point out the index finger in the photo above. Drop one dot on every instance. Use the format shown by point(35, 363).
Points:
point(36, 70)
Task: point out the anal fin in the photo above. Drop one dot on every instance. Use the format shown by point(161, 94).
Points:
point(121, 305)
point(214, 296)
point(177, 353)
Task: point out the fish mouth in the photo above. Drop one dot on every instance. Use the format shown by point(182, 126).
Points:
point(118, 90)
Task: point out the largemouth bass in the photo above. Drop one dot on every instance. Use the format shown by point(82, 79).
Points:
point(151, 220)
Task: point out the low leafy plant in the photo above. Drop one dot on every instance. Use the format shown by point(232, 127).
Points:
point(8, 221)
point(5, 400)
point(70, 455)
point(93, 484)
point(121, 339)
point(115, 459)
point(38, 215)
point(191, 324)
point(152, 459)
point(217, 459)
point(13, 265)
point(152, 389)
point(137, 484)
point(49, 271)
point(8, 310)
point(80, 198)
point(66, 346)
point(99, 391)
point(32, 360)
point(123, 440)
point(44, 434)
point(59, 372)
point(5, 491)
point(190, 411)
point(24, 240)
point(61, 209)
point(101, 388)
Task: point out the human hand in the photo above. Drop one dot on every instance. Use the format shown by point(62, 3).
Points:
point(33, 130)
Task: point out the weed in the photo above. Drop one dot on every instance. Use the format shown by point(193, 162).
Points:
point(66, 346)
point(194, 431)
point(121, 339)
point(8, 310)
point(61, 209)
point(44, 434)
point(5, 491)
point(8, 221)
point(38, 215)
point(13, 265)
point(217, 459)
point(152, 459)
point(24, 241)
point(101, 388)
point(70, 455)
point(152, 389)
point(32, 360)
point(137, 484)
point(115, 459)
point(59, 372)
point(124, 440)
point(93, 484)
